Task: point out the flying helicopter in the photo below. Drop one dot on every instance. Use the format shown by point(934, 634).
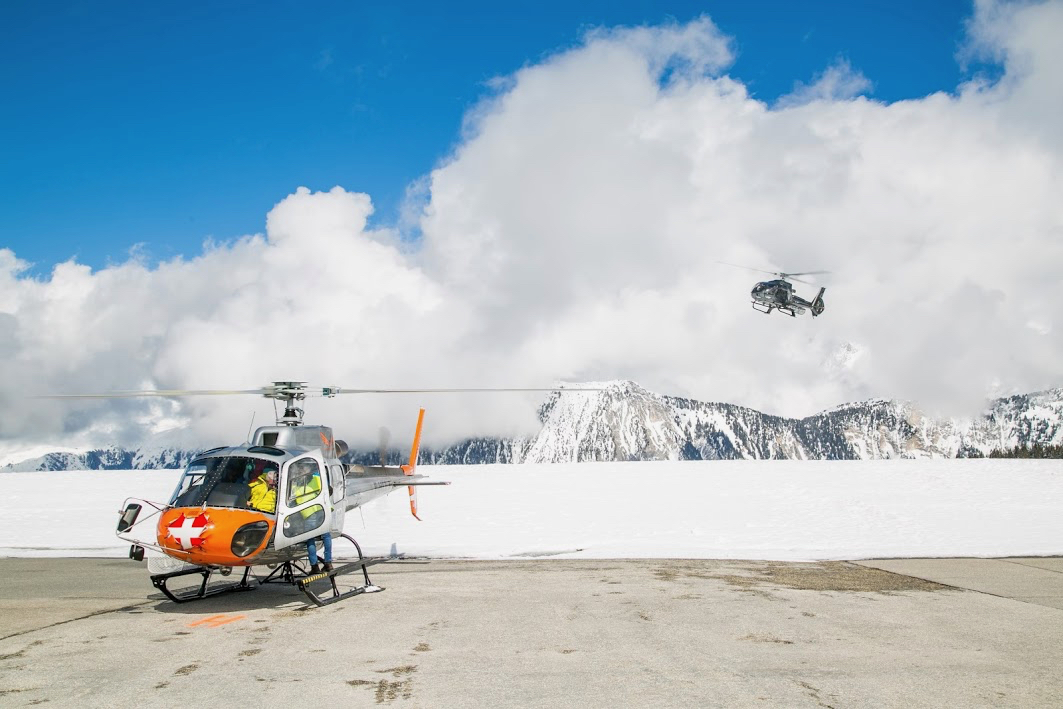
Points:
point(778, 294)
point(213, 523)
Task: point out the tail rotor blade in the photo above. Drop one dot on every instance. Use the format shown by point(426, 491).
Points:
point(409, 468)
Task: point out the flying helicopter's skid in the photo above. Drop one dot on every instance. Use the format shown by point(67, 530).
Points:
point(766, 309)
point(160, 580)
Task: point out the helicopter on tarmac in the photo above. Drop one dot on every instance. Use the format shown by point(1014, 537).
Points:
point(216, 521)
point(778, 294)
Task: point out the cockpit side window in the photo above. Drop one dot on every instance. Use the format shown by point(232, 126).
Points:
point(190, 484)
point(304, 481)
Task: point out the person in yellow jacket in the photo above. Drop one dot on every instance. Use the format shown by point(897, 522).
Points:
point(306, 485)
point(264, 491)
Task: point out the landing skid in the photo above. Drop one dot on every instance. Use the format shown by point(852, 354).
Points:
point(337, 595)
point(290, 572)
point(160, 581)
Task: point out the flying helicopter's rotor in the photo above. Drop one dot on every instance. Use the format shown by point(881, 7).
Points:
point(781, 274)
point(792, 276)
point(749, 268)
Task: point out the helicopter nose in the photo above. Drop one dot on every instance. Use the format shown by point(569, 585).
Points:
point(226, 537)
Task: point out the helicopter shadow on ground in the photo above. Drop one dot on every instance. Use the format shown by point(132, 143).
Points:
point(273, 595)
point(264, 598)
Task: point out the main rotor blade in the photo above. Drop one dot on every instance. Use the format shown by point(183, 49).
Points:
point(780, 274)
point(331, 391)
point(750, 268)
point(280, 393)
point(791, 276)
point(156, 392)
point(803, 273)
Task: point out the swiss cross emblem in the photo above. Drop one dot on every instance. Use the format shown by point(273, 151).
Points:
point(188, 531)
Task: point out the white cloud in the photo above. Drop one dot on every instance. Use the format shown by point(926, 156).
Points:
point(838, 82)
point(574, 234)
point(1024, 37)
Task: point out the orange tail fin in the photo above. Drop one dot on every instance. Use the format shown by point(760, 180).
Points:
point(409, 469)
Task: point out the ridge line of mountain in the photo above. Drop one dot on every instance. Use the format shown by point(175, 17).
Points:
point(625, 422)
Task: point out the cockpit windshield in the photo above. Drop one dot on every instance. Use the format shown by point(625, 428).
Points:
point(222, 481)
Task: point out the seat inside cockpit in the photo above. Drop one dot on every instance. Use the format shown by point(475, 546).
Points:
point(218, 481)
point(229, 495)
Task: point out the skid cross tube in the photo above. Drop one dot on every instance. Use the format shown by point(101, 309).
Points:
point(284, 573)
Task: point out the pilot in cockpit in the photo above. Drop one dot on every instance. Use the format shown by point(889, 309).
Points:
point(264, 491)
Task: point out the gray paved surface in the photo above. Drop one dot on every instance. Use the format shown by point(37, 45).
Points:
point(653, 633)
point(1033, 580)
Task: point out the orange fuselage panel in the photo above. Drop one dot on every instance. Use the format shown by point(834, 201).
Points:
point(204, 535)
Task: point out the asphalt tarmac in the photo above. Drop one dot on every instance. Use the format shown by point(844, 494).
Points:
point(546, 633)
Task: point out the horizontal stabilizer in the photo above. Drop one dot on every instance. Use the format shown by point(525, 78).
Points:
point(377, 471)
point(417, 480)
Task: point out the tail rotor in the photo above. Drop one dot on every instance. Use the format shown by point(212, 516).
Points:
point(818, 306)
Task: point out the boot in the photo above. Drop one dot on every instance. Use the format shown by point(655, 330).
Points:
point(327, 566)
point(315, 569)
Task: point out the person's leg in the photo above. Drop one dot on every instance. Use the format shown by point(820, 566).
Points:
point(311, 551)
point(328, 547)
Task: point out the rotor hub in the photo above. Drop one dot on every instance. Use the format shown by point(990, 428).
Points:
point(289, 393)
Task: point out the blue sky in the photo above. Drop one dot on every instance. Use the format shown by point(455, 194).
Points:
point(164, 124)
point(588, 166)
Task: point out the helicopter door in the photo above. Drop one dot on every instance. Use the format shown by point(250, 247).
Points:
point(339, 506)
point(304, 508)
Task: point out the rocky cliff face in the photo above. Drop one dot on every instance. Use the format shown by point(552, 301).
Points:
point(626, 422)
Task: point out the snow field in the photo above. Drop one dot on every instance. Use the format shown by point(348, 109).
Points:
point(775, 510)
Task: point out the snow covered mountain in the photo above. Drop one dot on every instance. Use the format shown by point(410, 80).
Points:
point(627, 422)
point(110, 458)
point(624, 421)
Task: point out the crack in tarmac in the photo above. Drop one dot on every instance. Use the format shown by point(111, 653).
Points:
point(81, 617)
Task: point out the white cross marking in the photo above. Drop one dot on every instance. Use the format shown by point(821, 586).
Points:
point(185, 532)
